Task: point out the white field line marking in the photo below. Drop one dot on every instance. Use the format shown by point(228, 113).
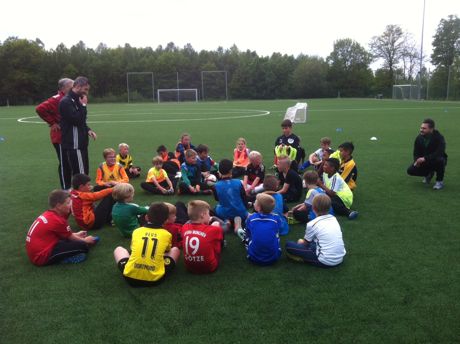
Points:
point(259, 114)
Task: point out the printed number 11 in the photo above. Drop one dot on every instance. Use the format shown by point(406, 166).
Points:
point(154, 248)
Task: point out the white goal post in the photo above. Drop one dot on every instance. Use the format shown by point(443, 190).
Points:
point(203, 74)
point(407, 91)
point(177, 94)
point(297, 113)
point(131, 92)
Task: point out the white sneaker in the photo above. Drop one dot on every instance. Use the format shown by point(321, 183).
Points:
point(241, 233)
point(438, 185)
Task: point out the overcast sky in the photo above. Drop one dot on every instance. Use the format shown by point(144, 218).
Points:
point(287, 26)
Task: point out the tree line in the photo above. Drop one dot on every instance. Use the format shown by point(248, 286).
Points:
point(29, 72)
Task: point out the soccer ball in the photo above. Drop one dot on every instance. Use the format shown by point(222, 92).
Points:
point(210, 180)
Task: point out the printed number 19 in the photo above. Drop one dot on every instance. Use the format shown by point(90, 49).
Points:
point(154, 248)
point(193, 243)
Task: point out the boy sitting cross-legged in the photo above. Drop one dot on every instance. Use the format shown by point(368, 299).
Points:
point(110, 173)
point(50, 239)
point(157, 181)
point(126, 160)
point(152, 258)
point(202, 242)
point(261, 236)
point(127, 216)
point(191, 178)
point(323, 243)
point(230, 194)
point(85, 213)
point(336, 188)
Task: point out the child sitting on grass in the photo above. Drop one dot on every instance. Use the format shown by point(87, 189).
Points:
point(207, 164)
point(110, 173)
point(202, 242)
point(316, 157)
point(336, 188)
point(229, 194)
point(254, 175)
point(240, 158)
point(183, 145)
point(50, 239)
point(177, 217)
point(348, 170)
point(303, 212)
point(271, 185)
point(86, 214)
point(323, 243)
point(126, 160)
point(261, 236)
point(127, 216)
point(191, 178)
point(290, 181)
point(157, 181)
point(152, 258)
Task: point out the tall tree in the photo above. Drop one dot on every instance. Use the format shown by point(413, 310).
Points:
point(389, 46)
point(309, 79)
point(446, 45)
point(349, 71)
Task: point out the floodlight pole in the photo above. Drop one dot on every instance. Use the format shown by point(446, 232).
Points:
point(421, 55)
point(177, 86)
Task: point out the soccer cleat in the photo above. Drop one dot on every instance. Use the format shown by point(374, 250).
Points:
point(241, 233)
point(295, 258)
point(438, 185)
point(78, 258)
point(427, 179)
point(353, 215)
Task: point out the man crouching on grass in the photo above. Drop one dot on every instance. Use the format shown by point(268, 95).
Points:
point(50, 239)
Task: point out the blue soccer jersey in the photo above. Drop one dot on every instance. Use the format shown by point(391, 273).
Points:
point(262, 235)
point(229, 194)
point(279, 210)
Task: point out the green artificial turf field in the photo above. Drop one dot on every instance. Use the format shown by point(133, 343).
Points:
point(400, 281)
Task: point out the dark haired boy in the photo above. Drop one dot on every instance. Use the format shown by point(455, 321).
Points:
point(288, 138)
point(152, 257)
point(50, 239)
point(230, 194)
point(85, 213)
point(348, 170)
point(336, 188)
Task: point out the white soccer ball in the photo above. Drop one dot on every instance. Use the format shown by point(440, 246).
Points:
point(210, 180)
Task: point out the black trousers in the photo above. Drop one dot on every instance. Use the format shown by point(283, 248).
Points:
point(78, 160)
point(150, 187)
point(103, 212)
point(339, 207)
point(65, 249)
point(438, 166)
point(64, 169)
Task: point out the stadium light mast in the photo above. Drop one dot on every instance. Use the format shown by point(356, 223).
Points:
point(421, 55)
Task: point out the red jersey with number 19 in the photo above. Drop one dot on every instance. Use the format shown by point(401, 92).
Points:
point(44, 234)
point(202, 246)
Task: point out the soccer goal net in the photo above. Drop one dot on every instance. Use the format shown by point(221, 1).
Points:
point(405, 91)
point(177, 95)
point(214, 85)
point(297, 113)
point(140, 87)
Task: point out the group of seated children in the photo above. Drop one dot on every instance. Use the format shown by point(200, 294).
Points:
point(160, 232)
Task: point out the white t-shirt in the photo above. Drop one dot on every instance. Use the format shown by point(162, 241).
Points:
point(319, 153)
point(326, 233)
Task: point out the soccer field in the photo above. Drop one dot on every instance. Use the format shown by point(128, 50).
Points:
point(400, 280)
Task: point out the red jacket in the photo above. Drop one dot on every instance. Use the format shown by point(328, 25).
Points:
point(49, 112)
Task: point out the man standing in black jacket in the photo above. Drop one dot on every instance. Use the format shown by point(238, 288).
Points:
point(74, 129)
point(429, 155)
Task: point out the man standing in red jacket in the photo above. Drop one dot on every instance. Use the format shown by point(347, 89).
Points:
point(49, 112)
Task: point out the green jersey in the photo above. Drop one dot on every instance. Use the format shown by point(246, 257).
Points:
point(125, 217)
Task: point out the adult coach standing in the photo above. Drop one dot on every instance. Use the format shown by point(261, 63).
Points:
point(429, 155)
point(49, 112)
point(75, 131)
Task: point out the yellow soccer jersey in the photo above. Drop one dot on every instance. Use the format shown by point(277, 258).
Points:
point(159, 174)
point(148, 246)
point(126, 162)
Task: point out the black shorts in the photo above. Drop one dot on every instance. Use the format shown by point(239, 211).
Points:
point(170, 264)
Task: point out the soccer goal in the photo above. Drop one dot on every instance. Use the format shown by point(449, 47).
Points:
point(140, 86)
point(297, 113)
point(177, 95)
point(404, 92)
point(214, 85)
